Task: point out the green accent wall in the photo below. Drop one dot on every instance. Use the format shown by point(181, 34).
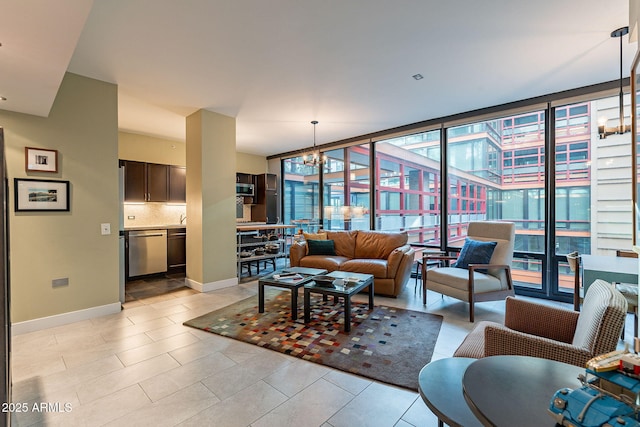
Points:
point(83, 127)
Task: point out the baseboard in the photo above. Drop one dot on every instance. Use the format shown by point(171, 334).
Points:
point(211, 286)
point(33, 325)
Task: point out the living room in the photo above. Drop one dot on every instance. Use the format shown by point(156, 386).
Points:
point(84, 121)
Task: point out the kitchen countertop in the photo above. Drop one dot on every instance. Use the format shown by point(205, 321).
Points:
point(154, 227)
point(261, 226)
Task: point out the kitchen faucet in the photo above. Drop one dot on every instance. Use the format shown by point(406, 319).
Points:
point(183, 218)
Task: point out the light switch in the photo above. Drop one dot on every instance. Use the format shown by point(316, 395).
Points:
point(105, 228)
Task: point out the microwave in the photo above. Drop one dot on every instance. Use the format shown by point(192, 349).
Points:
point(244, 190)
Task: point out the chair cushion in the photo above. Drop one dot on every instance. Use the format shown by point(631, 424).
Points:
point(473, 344)
point(458, 278)
point(321, 247)
point(595, 304)
point(475, 252)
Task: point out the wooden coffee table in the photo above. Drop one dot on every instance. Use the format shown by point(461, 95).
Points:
point(346, 292)
point(269, 280)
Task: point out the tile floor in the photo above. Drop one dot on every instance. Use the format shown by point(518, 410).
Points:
point(142, 367)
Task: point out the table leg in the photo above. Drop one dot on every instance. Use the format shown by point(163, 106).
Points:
point(347, 314)
point(307, 306)
point(260, 297)
point(371, 296)
point(440, 423)
point(294, 304)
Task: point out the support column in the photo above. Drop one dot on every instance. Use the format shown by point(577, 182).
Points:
point(211, 224)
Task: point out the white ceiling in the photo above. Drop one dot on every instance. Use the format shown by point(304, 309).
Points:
point(276, 65)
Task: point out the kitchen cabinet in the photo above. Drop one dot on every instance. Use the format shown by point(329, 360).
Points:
point(177, 250)
point(177, 184)
point(157, 182)
point(153, 182)
point(244, 178)
point(265, 208)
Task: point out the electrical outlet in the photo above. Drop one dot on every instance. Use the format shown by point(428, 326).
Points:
point(105, 229)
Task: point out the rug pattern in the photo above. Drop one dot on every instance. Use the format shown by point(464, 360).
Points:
point(387, 344)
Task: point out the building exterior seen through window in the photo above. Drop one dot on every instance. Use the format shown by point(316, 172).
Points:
point(493, 170)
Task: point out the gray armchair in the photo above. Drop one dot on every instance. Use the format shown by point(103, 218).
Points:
point(478, 282)
point(549, 332)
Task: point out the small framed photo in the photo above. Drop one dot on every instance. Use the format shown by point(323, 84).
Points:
point(41, 195)
point(41, 160)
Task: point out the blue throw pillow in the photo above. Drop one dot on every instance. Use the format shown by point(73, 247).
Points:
point(321, 247)
point(475, 252)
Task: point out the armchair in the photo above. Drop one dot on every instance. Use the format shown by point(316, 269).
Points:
point(476, 282)
point(548, 332)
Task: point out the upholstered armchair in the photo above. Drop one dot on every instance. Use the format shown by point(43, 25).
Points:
point(551, 332)
point(477, 275)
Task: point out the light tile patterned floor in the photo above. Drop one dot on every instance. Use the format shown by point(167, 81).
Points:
point(141, 367)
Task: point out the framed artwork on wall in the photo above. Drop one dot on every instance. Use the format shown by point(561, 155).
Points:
point(41, 195)
point(40, 160)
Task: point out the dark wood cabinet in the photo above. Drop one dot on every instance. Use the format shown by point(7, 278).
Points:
point(176, 250)
point(177, 184)
point(135, 181)
point(244, 178)
point(153, 182)
point(157, 182)
point(266, 199)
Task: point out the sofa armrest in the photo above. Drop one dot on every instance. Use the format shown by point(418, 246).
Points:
point(540, 320)
point(296, 252)
point(395, 258)
point(500, 340)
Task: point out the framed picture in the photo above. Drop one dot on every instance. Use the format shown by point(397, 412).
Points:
point(41, 195)
point(41, 160)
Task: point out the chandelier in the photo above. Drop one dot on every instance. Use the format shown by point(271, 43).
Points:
point(314, 158)
point(603, 130)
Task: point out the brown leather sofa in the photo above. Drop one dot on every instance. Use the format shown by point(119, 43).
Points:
point(385, 255)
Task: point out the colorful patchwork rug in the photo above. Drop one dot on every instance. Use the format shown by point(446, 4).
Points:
point(387, 344)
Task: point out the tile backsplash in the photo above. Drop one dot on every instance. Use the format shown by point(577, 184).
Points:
point(149, 214)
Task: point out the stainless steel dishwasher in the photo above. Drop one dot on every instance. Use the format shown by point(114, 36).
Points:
point(147, 252)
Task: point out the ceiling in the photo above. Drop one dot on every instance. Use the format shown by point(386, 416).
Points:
point(276, 65)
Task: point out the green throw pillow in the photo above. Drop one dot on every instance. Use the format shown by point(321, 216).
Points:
point(475, 252)
point(321, 247)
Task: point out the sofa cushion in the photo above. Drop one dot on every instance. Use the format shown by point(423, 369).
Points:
point(327, 262)
point(378, 244)
point(314, 236)
point(475, 252)
point(377, 267)
point(320, 247)
point(344, 242)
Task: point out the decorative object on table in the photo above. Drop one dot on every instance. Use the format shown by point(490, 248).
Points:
point(246, 254)
point(557, 333)
point(609, 396)
point(324, 281)
point(40, 160)
point(259, 251)
point(41, 195)
point(474, 279)
point(387, 344)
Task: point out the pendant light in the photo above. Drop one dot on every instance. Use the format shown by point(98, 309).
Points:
point(314, 158)
point(603, 130)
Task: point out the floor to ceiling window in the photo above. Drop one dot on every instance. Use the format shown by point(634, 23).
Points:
point(493, 169)
point(407, 171)
point(346, 189)
point(300, 194)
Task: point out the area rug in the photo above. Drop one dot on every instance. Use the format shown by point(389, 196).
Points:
point(387, 344)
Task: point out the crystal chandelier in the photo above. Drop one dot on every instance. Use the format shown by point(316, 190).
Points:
point(314, 158)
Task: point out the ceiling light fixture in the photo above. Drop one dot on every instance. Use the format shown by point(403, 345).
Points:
point(418, 76)
point(603, 130)
point(314, 158)
point(2, 98)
